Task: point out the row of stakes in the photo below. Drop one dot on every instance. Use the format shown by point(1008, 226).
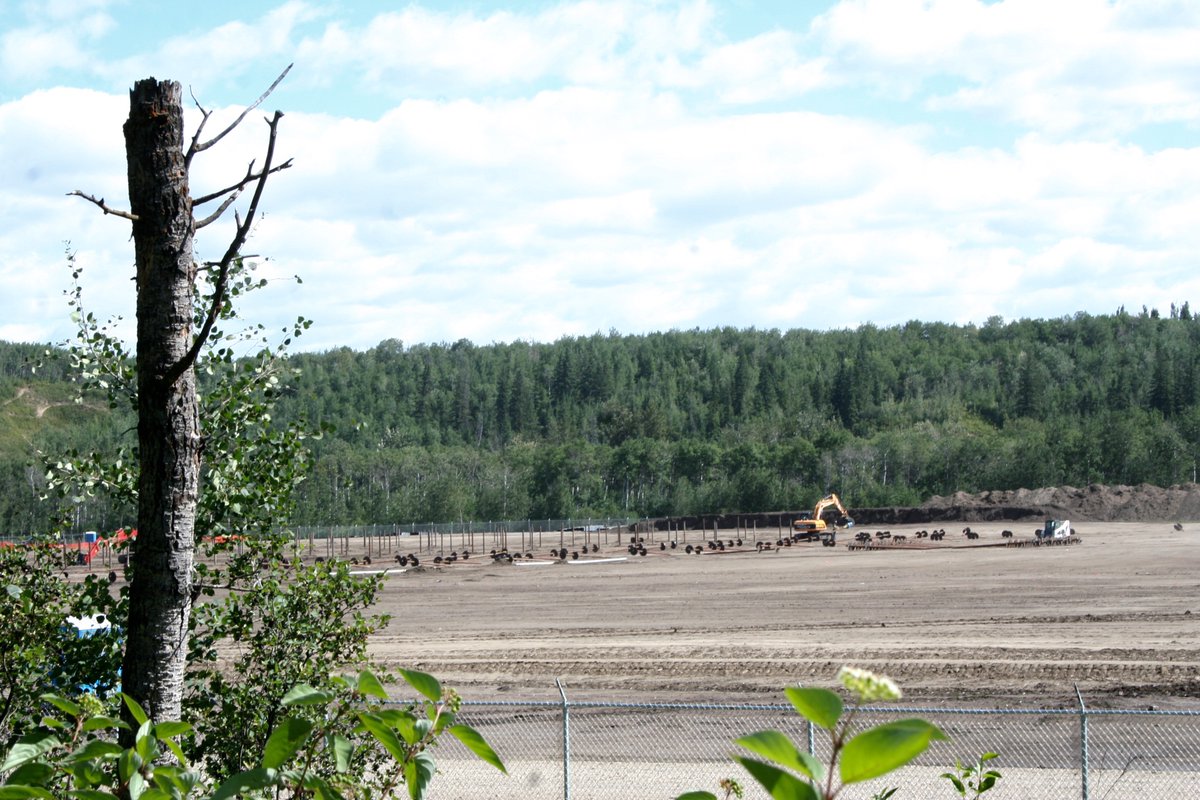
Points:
point(635, 548)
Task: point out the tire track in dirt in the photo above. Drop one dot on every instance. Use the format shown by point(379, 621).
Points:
point(684, 669)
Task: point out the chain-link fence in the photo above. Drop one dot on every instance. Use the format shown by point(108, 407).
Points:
point(538, 537)
point(588, 751)
point(105, 551)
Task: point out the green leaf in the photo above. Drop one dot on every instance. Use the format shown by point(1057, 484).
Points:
point(418, 773)
point(394, 716)
point(477, 745)
point(21, 792)
point(63, 704)
point(697, 796)
point(136, 786)
point(321, 789)
point(285, 741)
point(780, 784)
point(169, 730)
point(305, 695)
point(369, 685)
point(819, 706)
point(135, 710)
point(128, 764)
point(28, 747)
point(246, 782)
point(778, 748)
point(421, 728)
point(102, 723)
point(35, 773)
point(424, 683)
point(955, 782)
point(342, 752)
point(175, 780)
point(176, 751)
point(385, 736)
point(886, 747)
point(96, 749)
point(405, 725)
point(145, 743)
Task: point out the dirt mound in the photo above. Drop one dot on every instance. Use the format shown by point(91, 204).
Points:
point(1095, 503)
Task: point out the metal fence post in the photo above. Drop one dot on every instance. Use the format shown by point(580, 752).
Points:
point(1083, 744)
point(566, 740)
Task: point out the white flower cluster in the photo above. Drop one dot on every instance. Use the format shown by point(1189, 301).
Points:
point(867, 686)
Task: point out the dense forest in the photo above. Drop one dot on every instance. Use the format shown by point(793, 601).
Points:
point(690, 421)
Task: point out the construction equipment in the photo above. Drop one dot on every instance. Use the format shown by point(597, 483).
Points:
point(94, 543)
point(815, 527)
point(1056, 529)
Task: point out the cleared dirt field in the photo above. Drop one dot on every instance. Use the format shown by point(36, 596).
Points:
point(955, 621)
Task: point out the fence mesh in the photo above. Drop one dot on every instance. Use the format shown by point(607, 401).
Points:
point(594, 751)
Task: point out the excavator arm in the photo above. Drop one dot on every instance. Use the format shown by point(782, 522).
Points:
point(816, 525)
point(844, 519)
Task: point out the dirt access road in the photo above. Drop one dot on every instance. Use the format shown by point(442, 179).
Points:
point(953, 622)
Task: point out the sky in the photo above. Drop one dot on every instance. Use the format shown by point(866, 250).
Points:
point(503, 171)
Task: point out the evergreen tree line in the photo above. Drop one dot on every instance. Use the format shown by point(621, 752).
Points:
point(723, 420)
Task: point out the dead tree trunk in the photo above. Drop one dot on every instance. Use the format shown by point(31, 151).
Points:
point(169, 441)
point(160, 589)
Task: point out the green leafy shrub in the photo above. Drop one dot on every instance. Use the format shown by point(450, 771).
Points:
point(789, 773)
point(972, 780)
point(74, 753)
point(279, 623)
point(39, 651)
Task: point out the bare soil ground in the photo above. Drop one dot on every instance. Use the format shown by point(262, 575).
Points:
point(956, 621)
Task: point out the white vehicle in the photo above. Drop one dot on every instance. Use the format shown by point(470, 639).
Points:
point(1056, 529)
point(86, 627)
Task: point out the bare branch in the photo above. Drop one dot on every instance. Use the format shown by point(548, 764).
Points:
point(204, 115)
point(198, 147)
point(103, 207)
point(231, 253)
point(237, 187)
point(197, 102)
point(213, 217)
point(196, 587)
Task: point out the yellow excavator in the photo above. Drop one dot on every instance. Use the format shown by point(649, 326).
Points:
point(815, 527)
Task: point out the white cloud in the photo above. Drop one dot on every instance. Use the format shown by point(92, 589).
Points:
point(1062, 67)
point(600, 44)
point(55, 36)
point(242, 53)
point(628, 211)
point(417, 45)
point(766, 68)
point(594, 166)
point(404, 228)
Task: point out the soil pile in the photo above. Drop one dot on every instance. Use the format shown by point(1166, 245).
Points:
point(1094, 503)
